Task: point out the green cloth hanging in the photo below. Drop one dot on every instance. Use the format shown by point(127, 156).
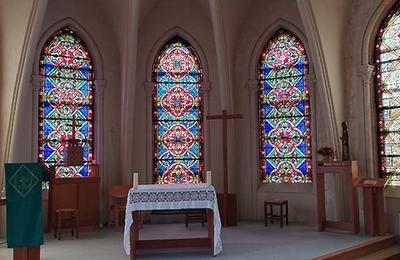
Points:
point(24, 204)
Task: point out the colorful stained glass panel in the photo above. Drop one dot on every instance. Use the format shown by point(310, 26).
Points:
point(66, 94)
point(387, 79)
point(284, 111)
point(177, 115)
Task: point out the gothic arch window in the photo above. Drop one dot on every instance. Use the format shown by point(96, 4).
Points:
point(284, 111)
point(177, 114)
point(66, 96)
point(387, 95)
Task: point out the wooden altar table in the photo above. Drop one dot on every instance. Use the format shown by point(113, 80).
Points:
point(171, 196)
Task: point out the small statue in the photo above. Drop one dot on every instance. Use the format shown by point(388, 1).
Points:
point(345, 143)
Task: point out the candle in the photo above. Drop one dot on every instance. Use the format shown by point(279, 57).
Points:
point(209, 178)
point(135, 180)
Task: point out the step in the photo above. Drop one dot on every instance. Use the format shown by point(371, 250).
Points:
point(392, 252)
point(363, 249)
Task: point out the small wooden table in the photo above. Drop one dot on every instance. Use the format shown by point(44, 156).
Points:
point(350, 170)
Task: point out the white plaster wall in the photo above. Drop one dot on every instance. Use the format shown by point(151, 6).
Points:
point(14, 22)
point(367, 16)
point(251, 192)
point(92, 20)
point(193, 20)
point(95, 22)
point(331, 18)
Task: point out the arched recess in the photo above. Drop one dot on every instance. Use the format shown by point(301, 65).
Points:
point(253, 86)
point(149, 87)
point(385, 60)
point(99, 84)
point(365, 68)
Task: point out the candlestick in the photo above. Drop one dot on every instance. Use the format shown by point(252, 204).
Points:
point(135, 180)
point(209, 178)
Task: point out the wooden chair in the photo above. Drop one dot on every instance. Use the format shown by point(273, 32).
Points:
point(195, 216)
point(66, 217)
point(117, 196)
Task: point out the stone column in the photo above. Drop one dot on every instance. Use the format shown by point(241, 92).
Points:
point(149, 88)
point(99, 86)
point(221, 51)
point(128, 89)
point(366, 75)
point(36, 83)
point(206, 88)
point(252, 87)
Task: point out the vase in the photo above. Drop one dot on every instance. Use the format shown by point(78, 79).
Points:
point(326, 158)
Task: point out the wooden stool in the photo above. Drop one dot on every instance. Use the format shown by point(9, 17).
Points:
point(66, 216)
point(271, 215)
point(195, 216)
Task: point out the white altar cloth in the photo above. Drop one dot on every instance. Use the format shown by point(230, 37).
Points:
point(172, 196)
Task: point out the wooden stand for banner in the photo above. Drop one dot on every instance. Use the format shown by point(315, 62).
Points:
point(27, 253)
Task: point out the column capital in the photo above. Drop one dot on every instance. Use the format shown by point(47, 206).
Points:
point(366, 73)
point(252, 86)
point(100, 85)
point(310, 79)
point(148, 88)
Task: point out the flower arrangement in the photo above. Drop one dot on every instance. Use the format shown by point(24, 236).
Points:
point(325, 151)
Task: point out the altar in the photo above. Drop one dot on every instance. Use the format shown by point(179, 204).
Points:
point(172, 196)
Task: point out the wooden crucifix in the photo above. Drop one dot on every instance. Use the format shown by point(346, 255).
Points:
point(73, 153)
point(225, 117)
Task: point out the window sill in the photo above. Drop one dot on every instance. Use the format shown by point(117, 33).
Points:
point(391, 192)
point(307, 188)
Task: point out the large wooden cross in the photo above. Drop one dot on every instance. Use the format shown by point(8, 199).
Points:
point(225, 117)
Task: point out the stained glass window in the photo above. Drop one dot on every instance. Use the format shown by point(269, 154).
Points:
point(284, 111)
point(387, 90)
point(66, 95)
point(177, 115)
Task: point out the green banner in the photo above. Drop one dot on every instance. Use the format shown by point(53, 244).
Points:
point(24, 204)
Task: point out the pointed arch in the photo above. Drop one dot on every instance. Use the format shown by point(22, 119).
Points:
point(177, 114)
point(266, 36)
point(90, 44)
point(66, 100)
point(387, 95)
point(284, 118)
point(166, 37)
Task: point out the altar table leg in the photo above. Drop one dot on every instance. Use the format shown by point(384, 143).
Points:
point(134, 234)
point(210, 223)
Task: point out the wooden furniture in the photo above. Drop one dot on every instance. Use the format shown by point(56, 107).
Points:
point(172, 196)
point(231, 208)
point(195, 216)
point(227, 199)
point(270, 214)
point(3, 201)
point(27, 253)
point(374, 211)
point(68, 217)
point(117, 195)
point(81, 193)
point(135, 243)
point(349, 170)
